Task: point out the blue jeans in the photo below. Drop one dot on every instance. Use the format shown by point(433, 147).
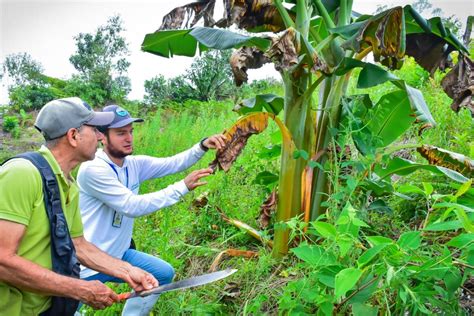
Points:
point(160, 269)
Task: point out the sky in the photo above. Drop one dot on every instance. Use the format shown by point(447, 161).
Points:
point(45, 30)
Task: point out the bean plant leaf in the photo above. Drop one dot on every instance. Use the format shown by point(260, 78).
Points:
point(236, 139)
point(346, 280)
point(410, 240)
point(168, 43)
point(314, 255)
point(462, 241)
point(442, 157)
point(269, 102)
point(327, 230)
point(266, 178)
point(367, 256)
point(359, 309)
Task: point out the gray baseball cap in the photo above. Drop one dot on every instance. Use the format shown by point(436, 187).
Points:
point(58, 116)
point(122, 117)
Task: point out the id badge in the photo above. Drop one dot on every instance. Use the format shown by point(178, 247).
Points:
point(117, 219)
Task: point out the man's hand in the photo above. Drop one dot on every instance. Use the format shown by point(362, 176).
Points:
point(140, 280)
point(97, 295)
point(215, 142)
point(192, 180)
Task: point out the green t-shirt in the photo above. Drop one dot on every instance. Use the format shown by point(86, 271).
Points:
point(21, 196)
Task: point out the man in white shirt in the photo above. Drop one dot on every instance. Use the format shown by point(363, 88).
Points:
point(109, 199)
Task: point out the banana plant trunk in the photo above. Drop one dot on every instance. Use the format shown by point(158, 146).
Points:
point(297, 118)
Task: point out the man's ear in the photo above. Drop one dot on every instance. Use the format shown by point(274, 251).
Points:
point(71, 136)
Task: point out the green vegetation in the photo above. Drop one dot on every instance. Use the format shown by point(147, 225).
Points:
point(393, 231)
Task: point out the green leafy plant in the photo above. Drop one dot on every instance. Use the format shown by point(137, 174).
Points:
point(319, 45)
point(10, 123)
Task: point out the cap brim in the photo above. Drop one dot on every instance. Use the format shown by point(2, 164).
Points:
point(126, 122)
point(101, 119)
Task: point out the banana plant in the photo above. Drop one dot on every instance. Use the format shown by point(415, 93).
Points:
point(315, 45)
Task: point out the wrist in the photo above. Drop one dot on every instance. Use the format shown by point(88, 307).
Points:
point(201, 144)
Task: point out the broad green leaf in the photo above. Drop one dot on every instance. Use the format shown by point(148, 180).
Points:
point(461, 241)
point(314, 255)
point(410, 240)
point(410, 189)
point(428, 188)
point(370, 254)
point(300, 154)
point(359, 309)
point(327, 275)
point(268, 102)
point(359, 223)
point(372, 75)
point(270, 152)
point(464, 188)
point(171, 42)
point(453, 280)
point(465, 221)
point(378, 240)
point(453, 205)
point(325, 229)
point(404, 167)
point(345, 243)
point(266, 178)
point(443, 226)
point(346, 280)
point(392, 118)
point(184, 42)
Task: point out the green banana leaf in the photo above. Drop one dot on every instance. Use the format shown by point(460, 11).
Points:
point(403, 167)
point(269, 102)
point(185, 42)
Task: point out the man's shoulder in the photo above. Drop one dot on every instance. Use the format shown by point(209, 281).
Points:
point(19, 166)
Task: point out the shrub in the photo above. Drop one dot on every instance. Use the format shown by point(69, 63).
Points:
point(10, 123)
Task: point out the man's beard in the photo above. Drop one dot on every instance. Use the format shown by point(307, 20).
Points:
point(116, 153)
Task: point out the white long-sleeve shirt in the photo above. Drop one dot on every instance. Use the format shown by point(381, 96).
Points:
point(109, 199)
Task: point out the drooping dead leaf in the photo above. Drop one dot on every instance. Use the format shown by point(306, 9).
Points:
point(188, 15)
point(382, 32)
point(284, 50)
point(252, 15)
point(231, 253)
point(459, 85)
point(248, 229)
point(429, 51)
point(243, 59)
point(444, 158)
point(236, 139)
point(267, 209)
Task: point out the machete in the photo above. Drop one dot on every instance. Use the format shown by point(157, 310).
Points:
point(183, 284)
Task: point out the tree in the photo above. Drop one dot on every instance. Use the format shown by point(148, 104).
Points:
point(22, 69)
point(208, 78)
point(101, 61)
point(30, 89)
point(316, 45)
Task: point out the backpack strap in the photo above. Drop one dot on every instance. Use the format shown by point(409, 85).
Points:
point(63, 253)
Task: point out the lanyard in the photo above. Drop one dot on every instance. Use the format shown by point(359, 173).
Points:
point(116, 172)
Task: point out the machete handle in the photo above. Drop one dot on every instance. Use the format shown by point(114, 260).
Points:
point(124, 296)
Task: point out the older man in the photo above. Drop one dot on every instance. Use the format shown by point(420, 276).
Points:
point(34, 248)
